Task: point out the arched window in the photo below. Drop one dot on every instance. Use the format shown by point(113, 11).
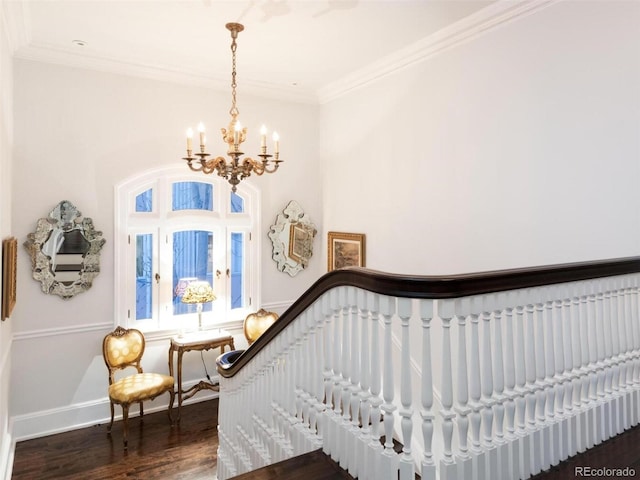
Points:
point(173, 228)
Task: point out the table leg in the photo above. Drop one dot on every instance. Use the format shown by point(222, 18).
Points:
point(180, 352)
point(171, 364)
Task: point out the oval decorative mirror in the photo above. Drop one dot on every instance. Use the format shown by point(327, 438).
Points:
point(292, 237)
point(65, 251)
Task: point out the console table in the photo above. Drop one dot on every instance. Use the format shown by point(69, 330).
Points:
point(198, 341)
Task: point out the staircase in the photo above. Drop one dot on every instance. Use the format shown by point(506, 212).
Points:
point(518, 371)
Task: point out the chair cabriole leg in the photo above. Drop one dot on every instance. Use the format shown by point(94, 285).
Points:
point(172, 393)
point(111, 423)
point(125, 424)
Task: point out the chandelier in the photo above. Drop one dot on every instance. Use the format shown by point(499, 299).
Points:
point(234, 169)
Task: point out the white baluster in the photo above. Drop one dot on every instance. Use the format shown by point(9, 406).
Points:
point(388, 468)
point(498, 390)
point(336, 452)
point(584, 365)
point(542, 386)
point(319, 380)
point(524, 441)
point(355, 384)
point(345, 384)
point(628, 355)
point(306, 355)
point(531, 389)
point(572, 435)
point(479, 461)
point(486, 381)
point(618, 374)
point(365, 382)
point(595, 436)
point(428, 467)
point(550, 363)
point(557, 328)
point(375, 448)
point(447, 465)
point(600, 365)
point(578, 394)
point(508, 299)
point(327, 374)
point(406, 466)
point(462, 390)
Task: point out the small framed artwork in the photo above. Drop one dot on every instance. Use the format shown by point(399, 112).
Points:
point(346, 250)
point(9, 264)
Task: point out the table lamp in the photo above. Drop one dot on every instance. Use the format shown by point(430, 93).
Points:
point(198, 292)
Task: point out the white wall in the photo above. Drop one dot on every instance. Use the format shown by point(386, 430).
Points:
point(519, 147)
point(6, 139)
point(77, 134)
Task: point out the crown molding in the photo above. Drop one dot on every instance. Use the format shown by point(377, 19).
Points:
point(14, 18)
point(57, 56)
point(483, 21)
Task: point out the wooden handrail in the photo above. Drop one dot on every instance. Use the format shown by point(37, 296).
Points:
point(435, 287)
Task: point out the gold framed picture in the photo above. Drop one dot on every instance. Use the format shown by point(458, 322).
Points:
point(346, 250)
point(9, 264)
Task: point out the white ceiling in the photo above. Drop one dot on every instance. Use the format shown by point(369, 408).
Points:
point(296, 48)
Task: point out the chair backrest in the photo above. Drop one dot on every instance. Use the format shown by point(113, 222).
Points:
point(123, 348)
point(256, 323)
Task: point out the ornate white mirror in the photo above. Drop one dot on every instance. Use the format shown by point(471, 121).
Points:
point(65, 251)
point(292, 237)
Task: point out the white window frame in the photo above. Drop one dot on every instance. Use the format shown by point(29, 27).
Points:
point(162, 222)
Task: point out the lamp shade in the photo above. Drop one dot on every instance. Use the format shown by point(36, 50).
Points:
point(198, 292)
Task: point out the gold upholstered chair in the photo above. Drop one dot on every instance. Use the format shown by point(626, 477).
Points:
point(122, 349)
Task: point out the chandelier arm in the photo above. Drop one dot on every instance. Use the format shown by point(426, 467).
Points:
point(276, 164)
point(246, 167)
point(195, 167)
point(212, 164)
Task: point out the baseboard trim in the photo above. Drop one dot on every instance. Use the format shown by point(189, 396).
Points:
point(7, 455)
point(87, 414)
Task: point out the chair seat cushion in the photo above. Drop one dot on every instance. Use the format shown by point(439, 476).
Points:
point(141, 386)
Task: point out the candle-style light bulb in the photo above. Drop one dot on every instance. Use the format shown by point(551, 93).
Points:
point(236, 132)
point(276, 143)
point(201, 131)
point(263, 136)
point(189, 139)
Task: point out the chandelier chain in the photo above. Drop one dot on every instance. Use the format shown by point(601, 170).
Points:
point(234, 110)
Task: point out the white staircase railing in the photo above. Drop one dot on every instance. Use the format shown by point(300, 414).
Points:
point(486, 376)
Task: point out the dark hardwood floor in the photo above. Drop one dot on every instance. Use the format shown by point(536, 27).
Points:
point(156, 450)
point(188, 452)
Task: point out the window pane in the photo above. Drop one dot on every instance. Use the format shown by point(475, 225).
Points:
point(144, 201)
point(237, 270)
point(144, 293)
point(237, 203)
point(192, 196)
point(192, 260)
